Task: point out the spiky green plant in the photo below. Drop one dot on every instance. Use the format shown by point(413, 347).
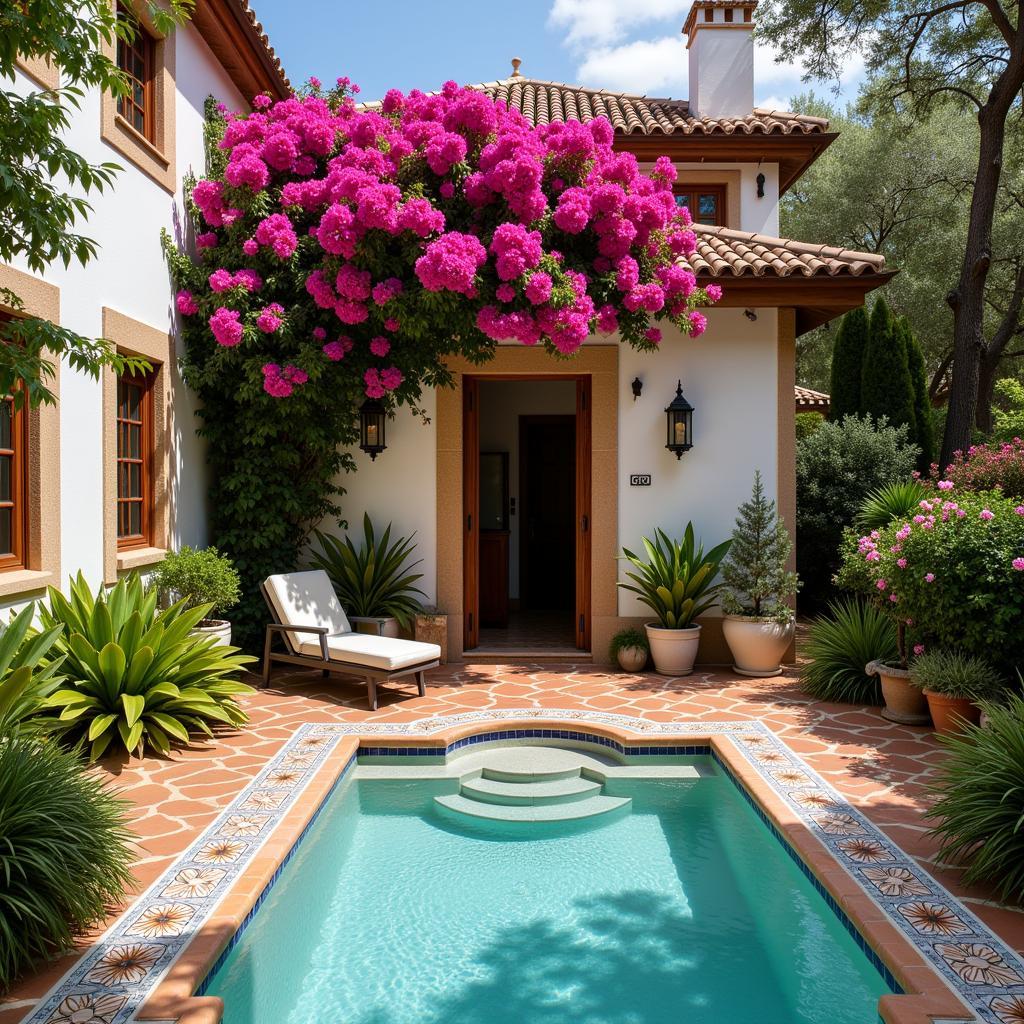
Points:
point(839, 644)
point(677, 581)
point(136, 675)
point(372, 579)
point(64, 855)
point(27, 676)
point(898, 500)
point(956, 674)
point(980, 800)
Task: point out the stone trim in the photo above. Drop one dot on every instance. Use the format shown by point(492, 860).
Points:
point(42, 557)
point(132, 337)
point(41, 71)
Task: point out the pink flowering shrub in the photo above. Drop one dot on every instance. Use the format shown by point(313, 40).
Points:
point(952, 574)
point(988, 467)
point(346, 252)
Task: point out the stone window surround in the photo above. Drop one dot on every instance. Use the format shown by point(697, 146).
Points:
point(156, 159)
point(132, 337)
point(42, 555)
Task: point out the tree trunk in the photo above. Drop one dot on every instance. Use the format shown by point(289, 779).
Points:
point(968, 298)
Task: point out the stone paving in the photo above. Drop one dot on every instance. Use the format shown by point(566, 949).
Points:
point(882, 768)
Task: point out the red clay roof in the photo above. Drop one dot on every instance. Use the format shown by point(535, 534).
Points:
point(726, 252)
point(811, 399)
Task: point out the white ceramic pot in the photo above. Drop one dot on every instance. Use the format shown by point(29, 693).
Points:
point(632, 659)
point(674, 650)
point(757, 645)
point(219, 629)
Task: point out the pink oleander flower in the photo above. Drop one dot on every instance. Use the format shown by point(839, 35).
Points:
point(384, 292)
point(873, 556)
point(380, 346)
point(270, 318)
point(714, 292)
point(653, 335)
point(505, 292)
point(986, 514)
point(929, 577)
point(945, 485)
point(207, 240)
point(319, 333)
point(186, 303)
point(538, 288)
point(391, 324)
point(893, 598)
point(901, 562)
point(336, 350)
point(250, 247)
point(391, 378)
point(1019, 510)
point(226, 325)
point(277, 232)
point(1018, 564)
point(698, 324)
point(918, 650)
point(450, 263)
point(881, 584)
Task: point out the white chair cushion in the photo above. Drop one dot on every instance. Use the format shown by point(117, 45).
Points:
point(380, 652)
point(306, 599)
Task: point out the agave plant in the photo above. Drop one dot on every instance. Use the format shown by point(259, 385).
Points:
point(137, 675)
point(839, 645)
point(27, 676)
point(372, 580)
point(677, 580)
point(898, 500)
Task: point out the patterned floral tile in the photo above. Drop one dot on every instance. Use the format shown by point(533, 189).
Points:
point(111, 980)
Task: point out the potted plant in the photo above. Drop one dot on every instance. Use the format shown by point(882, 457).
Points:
point(630, 648)
point(373, 581)
point(200, 576)
point(953, 684)
point(677, 584)
point(758, 624)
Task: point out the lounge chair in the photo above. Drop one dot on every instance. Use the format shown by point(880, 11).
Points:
point(317, 634)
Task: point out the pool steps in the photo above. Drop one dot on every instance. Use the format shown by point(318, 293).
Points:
point(535, 784)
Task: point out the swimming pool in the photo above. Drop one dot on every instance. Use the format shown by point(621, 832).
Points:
point(673, 902)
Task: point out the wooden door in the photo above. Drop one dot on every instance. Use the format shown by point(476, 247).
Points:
point(583, 512)
point(471, 511)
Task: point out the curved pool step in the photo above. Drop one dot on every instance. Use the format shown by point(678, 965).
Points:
point(547, 791)
point(591, 807)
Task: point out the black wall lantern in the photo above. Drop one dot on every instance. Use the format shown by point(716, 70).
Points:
point(371, 427)
point(679, 421)
point(638, 387)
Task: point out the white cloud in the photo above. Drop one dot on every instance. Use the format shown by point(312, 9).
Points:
point(604, 22)
point(652, 66)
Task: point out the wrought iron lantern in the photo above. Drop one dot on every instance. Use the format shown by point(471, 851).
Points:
point(371, 427)
point(679, 422)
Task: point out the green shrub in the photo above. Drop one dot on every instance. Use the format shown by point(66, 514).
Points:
point(807, 423)
point(754, 574)
point(847, 364)
point(897, 500)
point(836, 468)
point(886, 388)
point(677, 581)
point(989, 467)
point(27, 677)
point(136, 675)
point(64, 855)
point(373, 579)
point(980, 800)
point(924, 434)
point(199, 577)
point(627, 638)
point(954, 574)
point(839, 645)
point(1008, 414)
point(956, 675)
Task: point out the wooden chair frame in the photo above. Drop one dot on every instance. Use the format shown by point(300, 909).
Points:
point(326, 663)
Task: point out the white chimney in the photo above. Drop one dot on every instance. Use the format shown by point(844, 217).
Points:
point(719, 36)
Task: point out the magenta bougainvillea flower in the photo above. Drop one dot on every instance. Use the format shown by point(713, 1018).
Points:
point(446, 213)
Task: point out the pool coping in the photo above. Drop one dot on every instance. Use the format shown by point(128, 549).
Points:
point(153, 959)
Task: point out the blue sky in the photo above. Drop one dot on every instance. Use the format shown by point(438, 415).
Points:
point(627, 45)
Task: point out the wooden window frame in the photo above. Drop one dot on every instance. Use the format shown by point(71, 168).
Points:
point(16, 558)
point(145, 45)
point(692, 189)
point(143, 539)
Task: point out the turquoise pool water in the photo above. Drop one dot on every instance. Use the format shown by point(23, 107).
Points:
point(686, 910)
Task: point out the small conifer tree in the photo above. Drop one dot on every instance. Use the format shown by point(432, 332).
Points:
point(885, 385)
point(756, 579)
point(924, 432)
point(847, 363)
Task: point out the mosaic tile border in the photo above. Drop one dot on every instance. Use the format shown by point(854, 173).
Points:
point(116, 975)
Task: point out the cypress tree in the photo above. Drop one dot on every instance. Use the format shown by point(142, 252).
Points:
point(924, 433)
point(885, 384)
point(847, 362)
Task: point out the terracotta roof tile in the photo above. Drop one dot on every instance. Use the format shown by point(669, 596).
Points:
point(725, 252)
point(543, 102)
point(805, 396)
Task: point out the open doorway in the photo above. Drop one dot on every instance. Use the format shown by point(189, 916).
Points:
point(527, 474)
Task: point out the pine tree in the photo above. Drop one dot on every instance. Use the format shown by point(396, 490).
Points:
point(885, 385)
point(847, 363)
point(924, 431)
point(754, 573)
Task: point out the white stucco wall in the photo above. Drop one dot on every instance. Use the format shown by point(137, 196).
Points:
point(129, 275)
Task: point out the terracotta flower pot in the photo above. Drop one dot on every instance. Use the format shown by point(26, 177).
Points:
point(950, 714)
point(631, 659)
point(674, 650)
point(757, 645)
point(904, 702)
